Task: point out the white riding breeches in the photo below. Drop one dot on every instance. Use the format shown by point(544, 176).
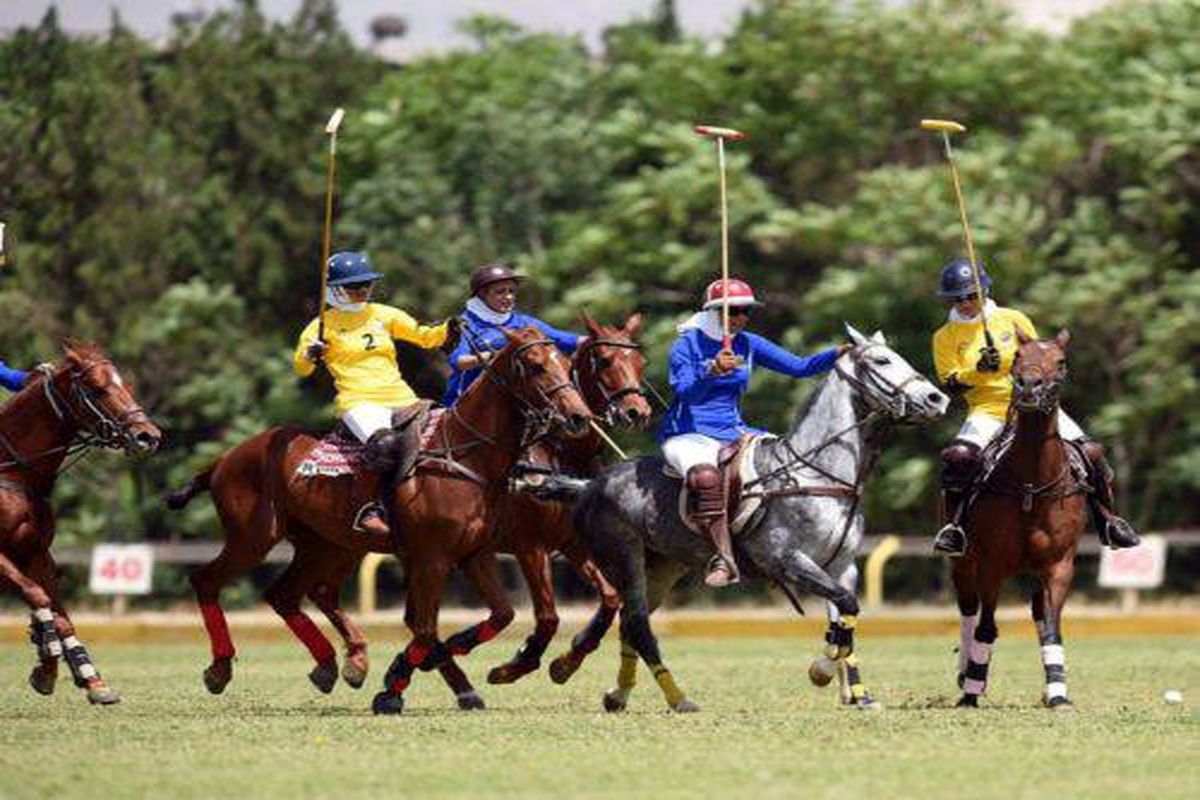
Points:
point(980, 429)
point(365, 419)
point(689, 450)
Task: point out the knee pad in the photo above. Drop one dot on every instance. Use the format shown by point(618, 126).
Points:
point(703, 477)
point(960, 463)
point(384, 449)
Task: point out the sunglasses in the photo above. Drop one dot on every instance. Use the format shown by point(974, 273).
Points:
point(739, 311)
point(358, 287)
point(966, 298)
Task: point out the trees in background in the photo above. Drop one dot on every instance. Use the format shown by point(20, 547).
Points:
point(168, 204)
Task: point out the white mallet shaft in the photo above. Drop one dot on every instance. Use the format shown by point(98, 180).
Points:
point(335, 120)
point(600, 432)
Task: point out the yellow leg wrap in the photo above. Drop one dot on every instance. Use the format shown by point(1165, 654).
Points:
point(831, 652)
point(666, 682)
point(850, 622)
point(858, 689)
point(627, 675)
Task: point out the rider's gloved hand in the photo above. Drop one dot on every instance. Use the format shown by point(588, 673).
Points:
point(316, 351)
point(989, 359)
point(725, 362)
point(453, 334)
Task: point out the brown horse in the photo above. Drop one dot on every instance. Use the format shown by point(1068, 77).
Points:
point(443, 512)
point(81, 402)
point(1026, 519)
point(608, 371)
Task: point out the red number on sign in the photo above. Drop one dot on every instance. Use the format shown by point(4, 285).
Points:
point(108, 569)
point(131, 569)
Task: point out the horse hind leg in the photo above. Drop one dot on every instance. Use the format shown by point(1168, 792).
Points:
point(326, 595)
point(483, 571)
point(284, 596)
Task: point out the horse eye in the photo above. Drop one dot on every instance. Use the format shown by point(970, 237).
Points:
point(604, 362)
point(880, 361)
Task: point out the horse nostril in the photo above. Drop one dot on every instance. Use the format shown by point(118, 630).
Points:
point(578, 422)
point(146, 441)
point(937, 398)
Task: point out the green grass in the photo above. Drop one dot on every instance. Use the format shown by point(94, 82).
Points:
point(763, 731)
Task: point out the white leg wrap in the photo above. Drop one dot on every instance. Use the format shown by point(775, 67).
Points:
point(1053, 655)
point(43, 615)
point(1056, 689)
point(980, 652)
point(966, 636)
point(972, 686)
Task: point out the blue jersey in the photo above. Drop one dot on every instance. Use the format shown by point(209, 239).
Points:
point(12, 379)
point(480, 335)
point(707, 403)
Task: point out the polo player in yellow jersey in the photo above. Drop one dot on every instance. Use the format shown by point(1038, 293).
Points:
point(966, 364)
point(359, 353)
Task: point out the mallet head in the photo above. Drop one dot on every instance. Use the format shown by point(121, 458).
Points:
point(335, 120)
point(714, 132)
point(942, 125)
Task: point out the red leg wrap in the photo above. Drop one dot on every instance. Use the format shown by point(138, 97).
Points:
point(311, 635)
point(218, 631)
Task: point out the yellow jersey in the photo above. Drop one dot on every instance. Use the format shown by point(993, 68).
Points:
point(361, 356)
point(956, 350)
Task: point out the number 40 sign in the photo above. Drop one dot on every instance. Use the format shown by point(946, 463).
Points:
point(121, 568)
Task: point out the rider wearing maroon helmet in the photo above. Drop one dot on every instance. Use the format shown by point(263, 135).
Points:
point(709, 380)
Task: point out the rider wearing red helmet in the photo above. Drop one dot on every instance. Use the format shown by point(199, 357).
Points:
point(709, 380)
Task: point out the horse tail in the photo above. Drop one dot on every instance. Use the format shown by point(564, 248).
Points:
point(199, 483)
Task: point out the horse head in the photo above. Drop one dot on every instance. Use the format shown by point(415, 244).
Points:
point(887, 383)
point(1038, 371)
point(539, 377)
point(608, 369)
point(86, 390)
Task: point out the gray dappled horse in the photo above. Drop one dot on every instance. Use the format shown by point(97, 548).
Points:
point(805, 537)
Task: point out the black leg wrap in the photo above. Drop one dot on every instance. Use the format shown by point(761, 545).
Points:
point(438, 655)
point(82, 669)
point(588, 639)
point(44, 637)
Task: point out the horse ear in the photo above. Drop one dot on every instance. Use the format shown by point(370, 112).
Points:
point(1023, 337)
point(509, 333)
point(1063, 338)
point(633, 325)
point(854, 334)
point(592, 326)
point(69, 348)
point(877, 337)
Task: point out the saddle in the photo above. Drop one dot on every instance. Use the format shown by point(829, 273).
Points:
point(735, 461)
point(1078, 472)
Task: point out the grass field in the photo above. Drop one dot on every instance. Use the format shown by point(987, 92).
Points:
point(763, 732)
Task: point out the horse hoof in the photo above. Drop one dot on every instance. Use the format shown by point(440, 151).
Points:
point(685, 706)
point(470, 701)
point(324, 676)
point(1058, 704)
point(512, 671)
point(614, 701)
point(562, 668)
point(821, 671)
point(868, 703)
point(387, 703)
point(101, 694)
point(43, 680)
point(968, 701)
point(354, 671)
point(218, 675)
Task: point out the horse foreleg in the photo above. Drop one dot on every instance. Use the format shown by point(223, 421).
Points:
point(426, 580)
point(535, 566)
point(588, 639)
point(483, 572)
point(284, 596)
point(1056, 585)
point(967, 598)
point(839, 646)
point(979, 651)
point(42, 629)
point(326, 595)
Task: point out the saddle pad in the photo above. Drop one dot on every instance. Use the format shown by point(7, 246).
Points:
point(747, 507)
point(339, 454)
point(336, 454)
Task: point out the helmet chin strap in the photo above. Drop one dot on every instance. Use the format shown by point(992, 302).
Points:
point(337, 298)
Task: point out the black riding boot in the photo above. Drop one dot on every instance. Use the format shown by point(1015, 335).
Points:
point(951, 539)
point(1113, 530)
point(383, 457)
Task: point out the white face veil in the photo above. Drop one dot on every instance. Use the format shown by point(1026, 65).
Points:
point(338, 298)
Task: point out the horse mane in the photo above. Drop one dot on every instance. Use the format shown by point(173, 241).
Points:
point(82, 349)
point(810, 401)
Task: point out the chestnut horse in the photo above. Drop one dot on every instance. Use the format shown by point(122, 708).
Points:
point(442, 512)
point(79, 403)
point(1026, 519)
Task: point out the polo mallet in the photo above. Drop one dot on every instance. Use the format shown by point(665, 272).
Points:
point(3, 258)
point(720, 135)
point(331, 130)
point(946, 127)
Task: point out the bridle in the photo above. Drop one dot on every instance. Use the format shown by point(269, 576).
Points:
point(591, 358)
point(1043, 396)
point(82, 409)
point(880, 394)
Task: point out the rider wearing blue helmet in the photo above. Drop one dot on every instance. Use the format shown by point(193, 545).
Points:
point(359, 353)
point(978, 369)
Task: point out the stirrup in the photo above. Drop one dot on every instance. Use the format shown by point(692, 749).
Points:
point(721, 572)
point(371, 514)
point(1119, 534)
point(951, 540)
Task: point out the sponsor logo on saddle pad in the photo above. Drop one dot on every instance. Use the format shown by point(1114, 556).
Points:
point(338, 454)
